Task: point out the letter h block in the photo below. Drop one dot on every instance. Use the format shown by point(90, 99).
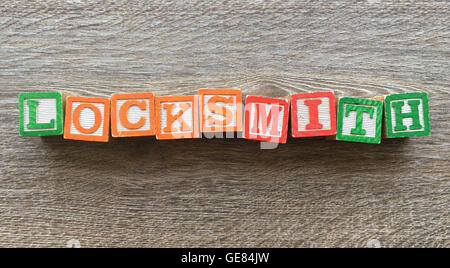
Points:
point(133, 114)
point(87, 119)
point(359, 120)
point(41, 114)
point(313, 114)
point(266, 119)
point(177, 117)
point(407, 115)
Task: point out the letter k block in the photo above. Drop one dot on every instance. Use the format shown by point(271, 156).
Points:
point(266, 119)
point(177, 117)
point(407, 115)
point(359, 120)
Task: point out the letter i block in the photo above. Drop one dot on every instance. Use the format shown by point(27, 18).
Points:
point(41, 114)
point(407, 115)
point(220, 110)
point(266, 119)
point(313, 114)
point(87, 119)
point(359, 120)
point(133, 114)
point(177, 117)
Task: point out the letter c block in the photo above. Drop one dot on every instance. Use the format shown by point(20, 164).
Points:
point(133, 114)
point(87, 119)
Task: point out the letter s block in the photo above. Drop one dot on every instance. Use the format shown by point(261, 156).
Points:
point(313, 114)
point(133, 114)
point(359, 120)
point(177, 117)
point(41, 114)
point(220, 110)
point(407, 115)
point(266, 119)
point(87, 119)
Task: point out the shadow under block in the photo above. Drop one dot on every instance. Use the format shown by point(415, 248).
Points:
point(41, 113)
point(359, 120)
point(266, 119)
point(313, 114)
point(407, 115)
point(177, 117)
point(220, 110)
point(87, 119)
point(133, 114)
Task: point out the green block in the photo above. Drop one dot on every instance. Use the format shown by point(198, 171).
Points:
point(407, 115)
point(359, 120)
point(41, 114)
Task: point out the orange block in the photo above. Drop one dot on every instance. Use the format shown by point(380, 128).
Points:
point(87, 119)
point(220, 110)
point(177, 117)
point(133, 114)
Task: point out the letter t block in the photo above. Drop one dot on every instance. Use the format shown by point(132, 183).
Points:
point(407, 115)
point(41, 114)
point(266, 119)
point(359, 120)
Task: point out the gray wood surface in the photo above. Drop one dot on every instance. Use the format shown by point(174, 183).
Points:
point(224, 193)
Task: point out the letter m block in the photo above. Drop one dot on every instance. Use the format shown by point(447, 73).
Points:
point(359, 120)
point(407, 115)
point(41, 114)
point(266, 119)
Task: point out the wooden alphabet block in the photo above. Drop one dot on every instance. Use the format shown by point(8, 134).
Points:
point(41, 114)
point(220, 110)
point(359, 120)
point(87, 119)
point(407, 115)
point(133, 114)
point(177, 117)
point(266, 119)
point(313, 114)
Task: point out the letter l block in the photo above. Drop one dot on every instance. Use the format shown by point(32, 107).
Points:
point(41, 114)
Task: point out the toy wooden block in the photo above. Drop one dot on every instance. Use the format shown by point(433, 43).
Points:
point(41, 113)
point(220, 110)
point(87, 119)
point(177, 117)
point(313, 114)
point(266, 119)
point(359, 120)
point(407, 115)
point(133, 114)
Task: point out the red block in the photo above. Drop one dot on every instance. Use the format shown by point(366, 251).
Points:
point(266, 119)
point(313, 114)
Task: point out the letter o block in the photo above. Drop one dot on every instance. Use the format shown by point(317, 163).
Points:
point(133, 114)
point(220, 110)
point(313, 114)
point(359, 120)
point(41, 114)
point(177, 117)
point(266, 119)
point(407, 115)
point(87, 119)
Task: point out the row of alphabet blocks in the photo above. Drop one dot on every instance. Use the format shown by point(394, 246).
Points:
point(220, 110)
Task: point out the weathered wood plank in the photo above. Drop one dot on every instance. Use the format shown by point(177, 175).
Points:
point(308, 192)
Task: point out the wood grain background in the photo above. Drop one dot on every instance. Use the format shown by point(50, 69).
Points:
point(224, 193)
